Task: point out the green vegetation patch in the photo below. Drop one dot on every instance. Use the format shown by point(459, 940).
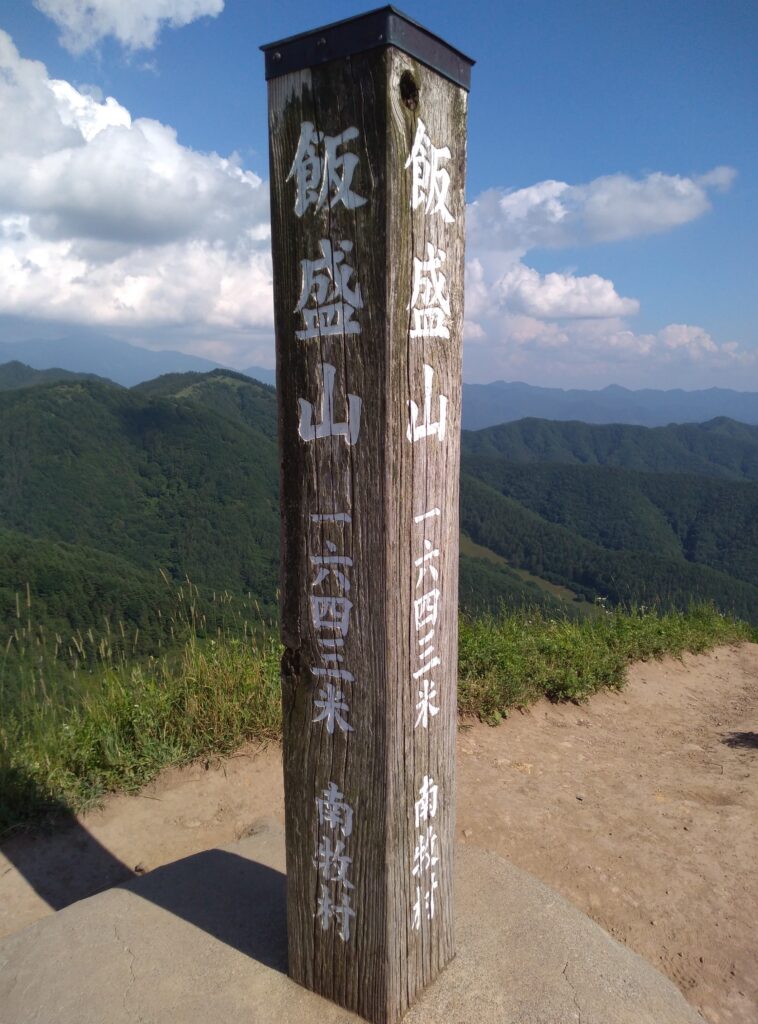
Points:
point(62, 747)
point(130, 722)
point(512, 660)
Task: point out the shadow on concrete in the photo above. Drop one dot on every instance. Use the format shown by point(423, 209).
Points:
point(238, 901)
point(58, 857)
point(746, 740)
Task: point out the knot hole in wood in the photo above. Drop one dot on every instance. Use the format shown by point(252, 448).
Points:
point(408, 90)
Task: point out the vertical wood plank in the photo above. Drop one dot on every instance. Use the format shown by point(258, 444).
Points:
point(425, 475)
point(368, 381)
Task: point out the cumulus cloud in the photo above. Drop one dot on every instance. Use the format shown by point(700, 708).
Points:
point(107, 220)
point(135, 23)
point(524, 290)
point(191, 282)
point(111, 220)
point(572, 327)
point(594, 353)
point(518, 290)
point(554, 214)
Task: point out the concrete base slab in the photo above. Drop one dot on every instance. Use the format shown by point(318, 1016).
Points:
point(204, 940)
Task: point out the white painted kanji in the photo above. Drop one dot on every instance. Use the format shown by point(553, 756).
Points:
point(424, 904)
point(426, 668)
point(321, 173)
point(331, 517)
point(426, 609)
point(349, 428)
point(340, 674)
point(330, 617)
point(431, 514)
point(430, 181)
point(425, 612)
point(425, 707)
point(330, 612)
point(329, 564)
point(328, 300)
point(430, 301)
point(332, 862)
point(333, 811)
point(425, 564)
point(426, 805)
point(425, 854)
point(428, 427)
point(332, 708)
point(330, 909)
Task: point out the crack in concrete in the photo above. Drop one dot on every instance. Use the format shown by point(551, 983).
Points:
point(132, 975)
point(573, 992)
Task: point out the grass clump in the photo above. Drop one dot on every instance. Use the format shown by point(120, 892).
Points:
point(65, 742)
point(511, 660)
point(131, 722)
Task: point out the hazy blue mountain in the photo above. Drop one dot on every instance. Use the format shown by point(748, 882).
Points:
point(262, 374)
point(104, 356)
point(485, 405)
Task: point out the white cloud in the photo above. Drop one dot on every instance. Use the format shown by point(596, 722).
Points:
point(135, 23)
point(86, 112)
point(554, 214)
point(110, 220)
point(694, 341)
point(191, 282)
point(564, 326)
point(524, 290)
point(593, 353)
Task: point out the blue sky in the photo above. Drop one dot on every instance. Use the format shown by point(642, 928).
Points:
point(612, 181)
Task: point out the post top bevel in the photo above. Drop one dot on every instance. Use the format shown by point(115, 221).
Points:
point(383, 26)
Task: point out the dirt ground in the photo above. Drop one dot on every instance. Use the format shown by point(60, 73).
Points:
point(639, 807)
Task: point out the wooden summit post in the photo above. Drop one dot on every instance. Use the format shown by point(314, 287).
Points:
point(367, 123)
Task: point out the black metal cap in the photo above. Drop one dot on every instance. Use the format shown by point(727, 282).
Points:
point(385, 26)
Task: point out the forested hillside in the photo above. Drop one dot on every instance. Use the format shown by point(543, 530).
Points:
point(102, 488)
point(181, 476)
point(18, 375)
point(711, 522)
point(720, 447)
point(634, 575)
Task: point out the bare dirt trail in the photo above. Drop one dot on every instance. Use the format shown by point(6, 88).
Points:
point(640, 807)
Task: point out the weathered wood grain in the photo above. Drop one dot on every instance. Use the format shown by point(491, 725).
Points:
point(382, 481)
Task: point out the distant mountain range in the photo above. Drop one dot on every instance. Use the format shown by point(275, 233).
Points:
point(484, 405)
point(103, 486)
point(261, 373)
point(106, 357)
point(112, 360)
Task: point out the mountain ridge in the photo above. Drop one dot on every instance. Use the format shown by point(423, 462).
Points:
point(181, 474)
point(486, 405)
point(719, 447)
